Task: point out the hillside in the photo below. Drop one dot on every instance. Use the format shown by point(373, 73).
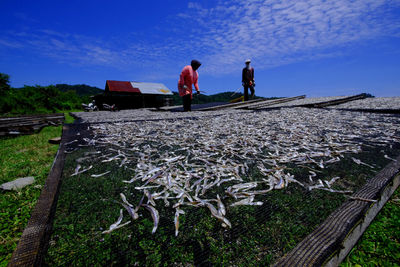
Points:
point(80, 89)
point(42, 99)
point(202, 99)
point(86, 90)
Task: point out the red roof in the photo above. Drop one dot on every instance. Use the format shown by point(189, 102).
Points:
point(117, 86)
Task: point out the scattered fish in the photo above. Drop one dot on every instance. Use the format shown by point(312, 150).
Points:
point(73, 141)
point(280, 184)
point(82, 171)
point(166, 164)
point(132, 212)
point(247, 201)
point(359, 162)
point(176, 220)
point(154, 215)
point(387, 157)
point(221, 207)
point(123, 197)
point(117, 224)
point(101, 174)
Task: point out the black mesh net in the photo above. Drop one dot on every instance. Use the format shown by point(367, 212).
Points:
point(245, 188)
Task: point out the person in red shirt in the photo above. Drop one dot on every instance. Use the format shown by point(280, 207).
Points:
point(248, 80)
point(188, 77)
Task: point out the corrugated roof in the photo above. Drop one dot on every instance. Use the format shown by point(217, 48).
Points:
point(152, 88)
point(117, 86)
point(137, 87)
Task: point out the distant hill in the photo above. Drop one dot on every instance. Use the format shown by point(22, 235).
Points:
point(80, 89)
point(86, 90)
point(202, 99)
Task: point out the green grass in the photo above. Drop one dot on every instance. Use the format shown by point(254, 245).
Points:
point(69, 118)
point(380, 244)
point(21, 156)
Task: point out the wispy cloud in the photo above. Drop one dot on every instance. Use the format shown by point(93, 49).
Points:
point(280, 32)
point(271, 33)
point(24, 17)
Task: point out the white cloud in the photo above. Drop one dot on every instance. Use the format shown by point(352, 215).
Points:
point(10, 43)
point(276, 31)
point(271, 32)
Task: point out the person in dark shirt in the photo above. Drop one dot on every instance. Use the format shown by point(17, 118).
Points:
point(248, 80)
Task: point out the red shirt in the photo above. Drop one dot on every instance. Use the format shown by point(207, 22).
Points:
point(188, 77)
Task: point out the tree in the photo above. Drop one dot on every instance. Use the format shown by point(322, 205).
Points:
point(4, 83)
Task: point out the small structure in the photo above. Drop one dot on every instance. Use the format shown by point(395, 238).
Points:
point(129, 95)
point(29, 124)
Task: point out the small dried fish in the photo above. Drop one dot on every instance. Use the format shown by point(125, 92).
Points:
point(221, 207)
point(363, 199)
point(123, 162)
point(70, 151)
point(149, 198)
point(387, 157)
point(91, 153)
point(116, 225)
point(82, 171)
point(280, 184)
point(73, 141)
point(331, 181)
point(78, 167)
point(319, 185)
point(170, 160)
point(124, 200)
point(101, 174)
point(214, 213)
point(359, 162)
point(80, 160)
point(335, 191)
point(146, 187)
point(131, 180)
point(154, 215)
point(247, 201)
point(176, 220)
point(313, 174)
point(111, 159)
point(132, 212)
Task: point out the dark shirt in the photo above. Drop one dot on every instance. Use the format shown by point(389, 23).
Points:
point(248, 75)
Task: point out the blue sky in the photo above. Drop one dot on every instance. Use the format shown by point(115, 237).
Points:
point(313, 47)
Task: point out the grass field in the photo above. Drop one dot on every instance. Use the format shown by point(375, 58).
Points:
point(32, 156)
point(380, 244)
point(21, 156)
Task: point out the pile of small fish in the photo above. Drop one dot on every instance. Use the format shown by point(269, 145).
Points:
point(392, 103)
point(140, 115)
point(208, 161)
point(307, 100)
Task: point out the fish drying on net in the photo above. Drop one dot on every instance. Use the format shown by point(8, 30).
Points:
point(209, 159)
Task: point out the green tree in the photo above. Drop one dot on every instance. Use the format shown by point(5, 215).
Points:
point(4, 84)
point(5, 89)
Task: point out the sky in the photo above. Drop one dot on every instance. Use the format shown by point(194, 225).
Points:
point(311, 47)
